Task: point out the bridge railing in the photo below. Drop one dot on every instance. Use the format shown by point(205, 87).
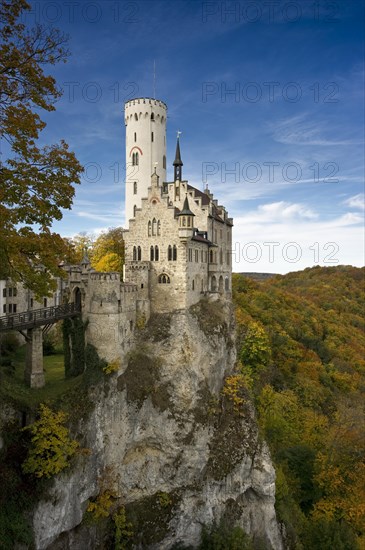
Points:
point(38, 317)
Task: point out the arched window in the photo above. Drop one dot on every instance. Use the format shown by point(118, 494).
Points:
point(156, 253)
point(134, 211)
point(152, 254)
point(213, 284)
point(211, 256)
point(220, 284)
point(135, 116)
point(137, 159)
point(158, 227)
point(152, 116)
point(174, 253)
point(154, 225)
point(134, 253)
point(169, 253)
point(164, 279)
point(135, 137)
point(139, 253)
point(221, 257)
point(151, 136)
point(193, 285)
point(164, 162)
point(135, 188)
point(149, 228)
point(133, 159)
point(226, 284)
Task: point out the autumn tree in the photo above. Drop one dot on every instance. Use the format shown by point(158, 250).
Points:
point(108, 250)
point(36, 181)
point(51, 444)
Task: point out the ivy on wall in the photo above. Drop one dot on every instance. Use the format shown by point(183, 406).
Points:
point(74, 346)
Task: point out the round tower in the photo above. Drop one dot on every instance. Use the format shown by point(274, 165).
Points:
point(145, 121)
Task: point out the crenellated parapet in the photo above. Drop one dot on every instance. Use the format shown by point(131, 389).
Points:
point(139, 109)
point(108, 277)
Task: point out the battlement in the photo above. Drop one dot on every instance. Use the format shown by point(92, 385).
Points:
point(144, 101)
point(139, 265)
point(109, 277)
point(128, 287)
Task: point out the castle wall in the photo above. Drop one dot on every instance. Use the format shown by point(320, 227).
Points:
point(205, 209)
point(109, 306)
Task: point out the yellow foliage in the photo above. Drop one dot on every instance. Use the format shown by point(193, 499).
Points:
point(141, 322)
point(51, 445)
point(101, 506)
point(113, 366)
point(123, 529)
point(110, 262)
point(164, 499)
point(233, 388)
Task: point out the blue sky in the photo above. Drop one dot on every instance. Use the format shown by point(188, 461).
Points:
point(268, 96)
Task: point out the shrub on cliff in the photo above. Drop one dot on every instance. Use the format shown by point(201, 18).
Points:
point(51, 444)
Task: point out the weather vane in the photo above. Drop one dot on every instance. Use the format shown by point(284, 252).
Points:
point(178, 134)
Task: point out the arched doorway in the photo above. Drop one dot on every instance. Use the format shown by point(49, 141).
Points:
point(77, 298)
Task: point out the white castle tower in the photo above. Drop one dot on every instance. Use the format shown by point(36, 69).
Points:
point(145, 121)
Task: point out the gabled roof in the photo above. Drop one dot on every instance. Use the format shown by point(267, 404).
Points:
point(204, 197)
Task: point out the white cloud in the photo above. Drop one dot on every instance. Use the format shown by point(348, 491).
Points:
point(302, 130)
point(282, 237)
point(357, 201)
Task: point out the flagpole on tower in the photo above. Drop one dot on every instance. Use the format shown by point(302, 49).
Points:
point(154, 79)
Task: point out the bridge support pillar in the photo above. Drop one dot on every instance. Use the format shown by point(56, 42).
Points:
point(34, 375)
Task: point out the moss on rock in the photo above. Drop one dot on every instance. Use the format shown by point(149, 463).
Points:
point(151, 516)
point(232, 440)
point(211, 317)
point(141, 380)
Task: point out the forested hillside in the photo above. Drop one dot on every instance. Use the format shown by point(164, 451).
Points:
point(301, 344)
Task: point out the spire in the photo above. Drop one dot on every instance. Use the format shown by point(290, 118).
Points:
point(85, 262)
point(178, 162)
point(186, 208)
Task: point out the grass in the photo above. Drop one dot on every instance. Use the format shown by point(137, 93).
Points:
point(13, 387)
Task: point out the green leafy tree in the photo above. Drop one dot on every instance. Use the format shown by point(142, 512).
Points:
point(51, 444)
point(36, 182)
point(256, 351)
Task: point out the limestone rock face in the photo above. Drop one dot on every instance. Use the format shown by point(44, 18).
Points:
point(176, 456)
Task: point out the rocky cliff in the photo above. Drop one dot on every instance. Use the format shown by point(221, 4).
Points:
point(173, 452)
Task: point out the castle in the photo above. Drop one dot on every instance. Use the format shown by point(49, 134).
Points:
point(177, 245)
